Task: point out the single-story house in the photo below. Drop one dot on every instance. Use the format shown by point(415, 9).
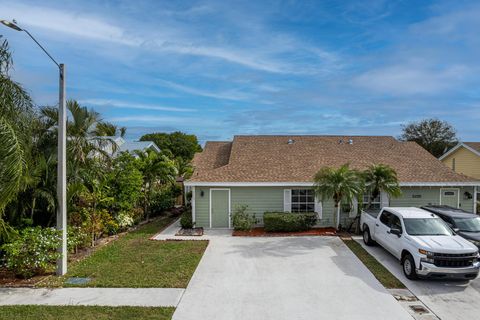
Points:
point(117, 145)
point(275, 173)
point(464, 158)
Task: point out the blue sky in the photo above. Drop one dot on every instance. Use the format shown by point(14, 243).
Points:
point(219, 68)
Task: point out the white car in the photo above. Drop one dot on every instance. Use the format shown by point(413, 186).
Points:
point(423, 242)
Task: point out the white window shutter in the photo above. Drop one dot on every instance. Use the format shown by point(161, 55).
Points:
point(384, 200)
point(354, 210)
point(318, 207)
point(287, 200)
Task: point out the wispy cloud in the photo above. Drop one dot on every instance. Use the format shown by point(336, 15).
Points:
point(133, 105)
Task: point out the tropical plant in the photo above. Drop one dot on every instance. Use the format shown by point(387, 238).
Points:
point(381, 177)
point(177, 143)
point(343, 184)
point(242, 220)
point(109, 129)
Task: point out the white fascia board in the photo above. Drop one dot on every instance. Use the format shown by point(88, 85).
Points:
point(248, 184)
point(310, 184)
point(440, 184)
point(458, 147)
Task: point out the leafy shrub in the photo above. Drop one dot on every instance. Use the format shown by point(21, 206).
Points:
point(242, 220)
point(125, 219)
point(288, 222)
point(186, 221)
point(162, 200)
point(77, 238)
point(33, 251)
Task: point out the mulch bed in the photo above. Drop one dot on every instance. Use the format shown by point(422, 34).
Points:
point(260, 232)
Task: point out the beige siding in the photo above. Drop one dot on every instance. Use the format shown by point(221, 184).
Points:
point(466, 162)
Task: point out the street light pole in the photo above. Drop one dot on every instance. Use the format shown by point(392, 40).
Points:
point(62, 156)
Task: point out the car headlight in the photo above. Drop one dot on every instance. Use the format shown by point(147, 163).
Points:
point(428, 254)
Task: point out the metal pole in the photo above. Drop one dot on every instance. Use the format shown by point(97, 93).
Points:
point(62, 175)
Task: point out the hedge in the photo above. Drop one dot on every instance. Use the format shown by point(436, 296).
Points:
point(288, 222)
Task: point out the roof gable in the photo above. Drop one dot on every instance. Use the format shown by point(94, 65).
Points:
point(473, 147)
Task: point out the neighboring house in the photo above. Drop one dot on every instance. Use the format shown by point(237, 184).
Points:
point(120, 145)
point(275, 173)
point(464, 158)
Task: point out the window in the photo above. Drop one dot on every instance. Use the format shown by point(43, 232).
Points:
point(303, 200)
point(395, 222)
point(385, 218)
point(375, 204)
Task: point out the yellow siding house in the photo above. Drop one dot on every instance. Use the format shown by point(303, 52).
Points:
point(464, 158)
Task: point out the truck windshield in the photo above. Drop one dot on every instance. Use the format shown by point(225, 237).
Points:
point(426, 227)
point(468, 224)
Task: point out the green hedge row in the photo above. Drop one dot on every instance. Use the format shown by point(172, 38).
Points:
point(288, 222)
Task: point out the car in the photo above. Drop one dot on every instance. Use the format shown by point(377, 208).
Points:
point(464, 223)
point(423, 242)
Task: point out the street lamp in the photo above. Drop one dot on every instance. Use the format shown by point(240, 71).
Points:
point(62, 156)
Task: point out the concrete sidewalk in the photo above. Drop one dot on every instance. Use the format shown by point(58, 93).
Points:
point(144, 297)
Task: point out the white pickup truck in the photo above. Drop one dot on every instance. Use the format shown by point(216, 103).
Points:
point(424, 244)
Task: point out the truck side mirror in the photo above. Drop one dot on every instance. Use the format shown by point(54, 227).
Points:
point(396, 231)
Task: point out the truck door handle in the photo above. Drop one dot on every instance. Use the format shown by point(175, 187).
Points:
point(376, 224)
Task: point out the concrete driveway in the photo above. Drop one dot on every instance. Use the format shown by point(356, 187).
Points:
point(284, 278)
point(447, 299)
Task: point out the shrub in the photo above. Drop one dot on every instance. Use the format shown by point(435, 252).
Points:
point(33, 251)
point(125, 219)
point(242, 220)
point(162, 200)
point(186, 221)
point(77, 238)
point(288, 222)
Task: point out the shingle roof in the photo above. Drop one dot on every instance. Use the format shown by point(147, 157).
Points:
point(272, 159)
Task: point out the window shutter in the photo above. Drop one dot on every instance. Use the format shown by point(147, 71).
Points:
point(354, 211)
point(384, 201)
point(318, 207)
point(287, 200)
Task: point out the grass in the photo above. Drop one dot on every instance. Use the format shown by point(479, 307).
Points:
point(83, 313)
point(386, 278)
point(134, 261)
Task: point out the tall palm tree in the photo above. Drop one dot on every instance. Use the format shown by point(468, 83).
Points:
point(381, 177)
point(342, 184)
point(109, 129)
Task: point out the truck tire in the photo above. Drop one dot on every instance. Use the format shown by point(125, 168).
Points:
point(367, 239)
point(408, 266)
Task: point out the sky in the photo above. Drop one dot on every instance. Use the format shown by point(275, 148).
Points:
point(221, 68)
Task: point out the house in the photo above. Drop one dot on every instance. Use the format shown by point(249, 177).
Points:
point(275, 173)
point(464, 158)
point(120, 145)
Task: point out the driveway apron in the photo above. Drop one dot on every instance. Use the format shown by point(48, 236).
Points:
point(284, 278)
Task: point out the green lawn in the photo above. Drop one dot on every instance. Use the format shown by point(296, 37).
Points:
point(83, 313)
point(135, 261)
point(379, 271)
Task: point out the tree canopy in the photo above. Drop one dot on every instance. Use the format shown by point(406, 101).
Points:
point(179, 144)
point(433, 135)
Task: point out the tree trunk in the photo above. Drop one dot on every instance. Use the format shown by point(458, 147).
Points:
point(337, 222)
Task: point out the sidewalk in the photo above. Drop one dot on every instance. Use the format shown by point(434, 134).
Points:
point(144, 297)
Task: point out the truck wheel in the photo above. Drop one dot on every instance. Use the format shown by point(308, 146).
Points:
point(367, 239)
point(408, 266)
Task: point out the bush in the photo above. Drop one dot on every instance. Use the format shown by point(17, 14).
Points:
point(242, 220)
point(288, 222)
point(186, 221)
point(77, 238)
point(33, 251)
point(162, 200)
point(125, 219)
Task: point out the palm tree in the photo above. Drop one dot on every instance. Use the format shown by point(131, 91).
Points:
point(342, 184)
point(158, 170)
point(109, 129)
point(381, 177)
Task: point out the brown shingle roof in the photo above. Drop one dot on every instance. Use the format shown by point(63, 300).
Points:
point(273, 159)
point(473, 145)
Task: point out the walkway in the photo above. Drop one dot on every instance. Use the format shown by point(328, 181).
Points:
point(144, 297)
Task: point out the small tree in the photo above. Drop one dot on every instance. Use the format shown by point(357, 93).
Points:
point(343, 185)
point(381, 177)
point(433, 135)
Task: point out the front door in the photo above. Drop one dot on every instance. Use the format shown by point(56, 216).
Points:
point(220, 208)
point(449, 197)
